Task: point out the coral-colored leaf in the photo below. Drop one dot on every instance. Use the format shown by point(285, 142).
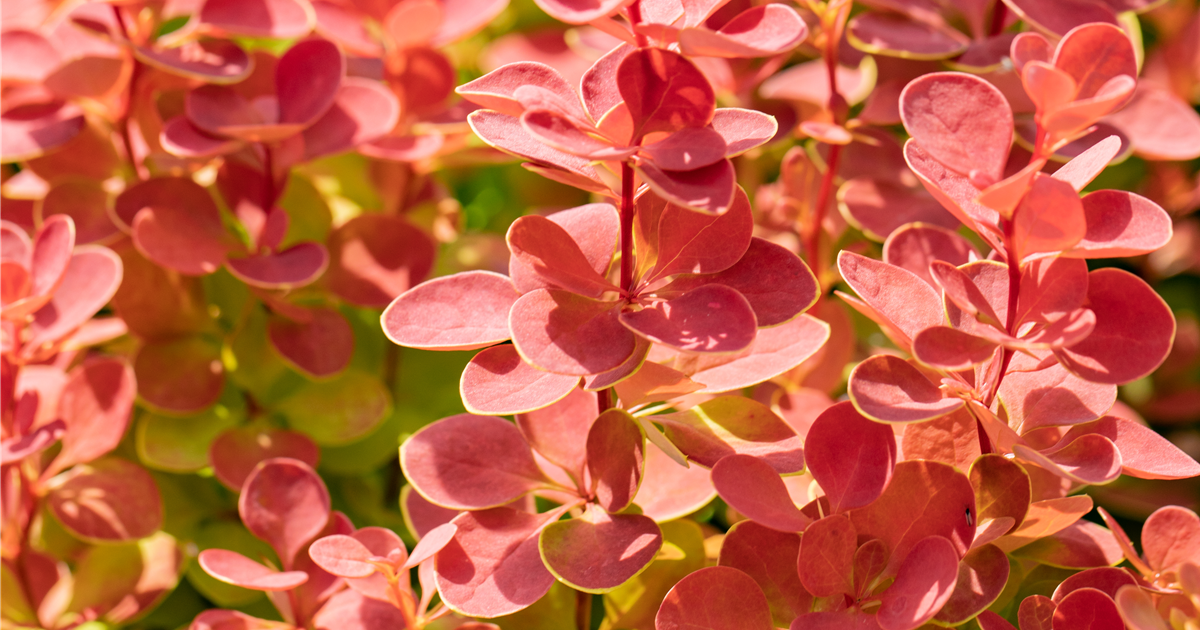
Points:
point(755, 489)
point(216, 619)
point(95, 404)
point(497, 89)
point(236, 452)
point(664, 91)
point(343, 556)
point(1133, 333)
point(108, 500)
point(493, 567)
point(889, 389)
point(594, 227)
point(615, 459)
point(727, 425)
point(757, 32)
point(850, 456)
point(363, 110)
point(1089, 459)
point(708, 189)
point(826, 561)
point(923, 499)
point(924, 583)
point(1144, 453)
point(915, 246)
point(709, 318)
point(903, 301)
point(1093, 54)
point(1107, 580)
point(281, 19)
point(963, 121)
point(567, 333)
point(982, 574)
point(296, 266)
point(470, 462)
point(715, 598)
point(319, 347)
point(959, 288)
point(214, 61)
point(897, 35)
point(30, 131)
point(693, 243)
point(1171, 537)
point(769, 558)
point(1121, 223)
point(775, 351)
point(1087, 608)
point(743, 129)
point(1081, 545)
point(1083, 168)
point(879, 208)
point(669, 490)
point(350, 610)
point(1053, 397)
point(948, 348)
point(188, 240)
point(1060, 18)
point(1138, 610)
point(497, 382)
point(559, 431)
point(286, 504)
point(1049, 219)
point(460, 312)
point(1160, 125)
point(1002, 489)
point(548, 249)
point(599, 551)
point(953, 439)
point(91, 279)
point(234, 568)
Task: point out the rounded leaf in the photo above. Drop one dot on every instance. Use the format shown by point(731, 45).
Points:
point(286, 504)
point(715, 598)
point(108, 500)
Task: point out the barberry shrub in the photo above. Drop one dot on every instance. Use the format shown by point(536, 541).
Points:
point(816, 315)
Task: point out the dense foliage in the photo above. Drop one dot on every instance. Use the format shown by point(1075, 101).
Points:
point(822, 315)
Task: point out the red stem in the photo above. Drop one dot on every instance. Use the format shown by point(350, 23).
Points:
point(999, 12)
point(583, 610)
point(814, 234)
point(127, 105)
point(627, 212)
point(634, 12)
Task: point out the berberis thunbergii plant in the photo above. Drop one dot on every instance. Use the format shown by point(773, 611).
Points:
point(808, 315)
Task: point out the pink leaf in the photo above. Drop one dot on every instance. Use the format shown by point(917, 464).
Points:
point(181, 375)
point(715, 598)
point(559, 431)
point(850, 456)
point(1087, 608)
point(615, 459)
point(727, 425)
point(962, 121)
point(234, 568)
point(421, 516)
point(769, 558)
point(664, 91)
point(90, 281)
point(982, 574)
point(756, 32)
point(1171, 537)
point(460, 312)
point(1049, 219)
point(880, 208)
point(375, 257)
point(708, 189)
point(235, 453)
point(743, 129)
point(1160, 125)
point(296, 266)
point(826, 562)
point(1144, 453)
point(1093, 54)
point(897, 35)
point(1088, 459)
point(432, 542)
point(774, 351)
point(1052, 397)
point(181, 138)
point(363, 110)
point(191, 241)
point(214, 61)
point(889, 389)
point(86, 202)
point(32, 130)
point(959, 288)
point(497, 382)
point(687, 149)
point(470, 462)
point(493, 567)
point(1107, 580)
point(914, 247)
point(1081, 545)
point(904, 302)
point(1120, 224)
point(215, 619)
point(709, 318)
point(755, 489)
point(1138, 610)
point(599, 551)
point(95, 405)
point(955, 192)
point(670, 491)
point(594, 227)
point(342, 556)
point(1060, 18)
point(286, 504)
point(109, 500)
point(319, 347)
point(946, 348)
point(1082, 169)
point(923, 499)
point(566, 333)
point(465, 17)
point(349, 610)
point(547, 248)
point(497, 89)
point(924, 583)
point(577, 11)
point(1050, 288)
point(1133, 332)
point(279, 19)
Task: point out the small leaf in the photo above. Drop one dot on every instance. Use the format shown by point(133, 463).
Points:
point(732, 424)
point(709, 318)
point(924, 583)
point(715, 598)
point(236, 452)
point(850, 456)
point(320, 347)
point(889, 389)
point(769, 558)
point(498, 382)
point(460, 312)
point(756, 490)
point(664, 91)
point(615, 459)
point(286, 504)
point(234, 568)
point(470, 462)
point(599, 551)
point(1087, 608)
point(108, 500)
point(826, 562)
point(342, 556)
point(982, 574)
point(962, 121)
point(567, 333)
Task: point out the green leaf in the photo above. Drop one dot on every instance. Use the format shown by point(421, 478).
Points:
point(340, 411)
